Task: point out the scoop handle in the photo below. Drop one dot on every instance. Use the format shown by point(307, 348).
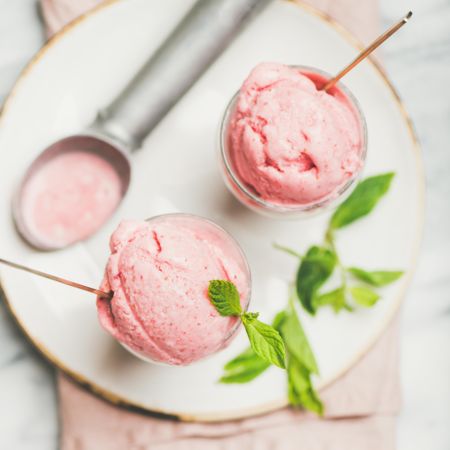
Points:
point(196, 42)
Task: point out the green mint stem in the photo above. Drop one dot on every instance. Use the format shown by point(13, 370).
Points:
point(329, 239)
point(292, 298)
point(287, 250)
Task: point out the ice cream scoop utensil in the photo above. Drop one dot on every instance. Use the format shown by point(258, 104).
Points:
point(177, 64)
point(367, 51)
point(55, 278)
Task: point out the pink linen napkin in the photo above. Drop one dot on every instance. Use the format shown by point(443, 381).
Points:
point(361, 406)
point(360, 414)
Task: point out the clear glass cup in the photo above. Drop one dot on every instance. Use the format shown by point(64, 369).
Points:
point(236, 252)
point(248, 197)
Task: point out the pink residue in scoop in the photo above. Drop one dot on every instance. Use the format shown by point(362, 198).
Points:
point(70, 197)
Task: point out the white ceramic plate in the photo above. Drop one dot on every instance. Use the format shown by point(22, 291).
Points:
point(177, 170)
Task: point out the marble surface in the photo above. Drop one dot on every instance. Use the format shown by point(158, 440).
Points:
point(419, 65)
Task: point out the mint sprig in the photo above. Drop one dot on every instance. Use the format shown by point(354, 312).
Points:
point(315, 269)
point(320, 262)
point(301, 363)
point(265, 340)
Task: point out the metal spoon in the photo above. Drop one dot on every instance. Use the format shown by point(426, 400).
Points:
point(61, 280)
point(367, 51)
point(121, 127)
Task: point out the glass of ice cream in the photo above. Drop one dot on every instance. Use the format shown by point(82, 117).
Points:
point(288, 148)
point(159, 271)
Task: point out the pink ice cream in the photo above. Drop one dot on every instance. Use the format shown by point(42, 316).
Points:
point(69, 197)
point(159, 272)
point(289, 142)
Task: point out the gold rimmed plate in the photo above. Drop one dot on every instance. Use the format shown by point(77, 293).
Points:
point(59, 93)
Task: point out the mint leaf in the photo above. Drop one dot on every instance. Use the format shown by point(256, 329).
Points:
point(265, 341)
point(300, 389)
point(225, 297)
point(297, 343)
point(336, 299)
point(244, 368)
point(247, 355)
point(375, 278)
point(248, 365)
point(362, 200)
point(364, 296)
point(316, 267)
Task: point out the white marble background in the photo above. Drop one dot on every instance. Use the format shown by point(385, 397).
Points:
point(419, 65)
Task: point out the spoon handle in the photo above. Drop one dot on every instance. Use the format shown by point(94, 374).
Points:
point(192, 47)
point(49, 276)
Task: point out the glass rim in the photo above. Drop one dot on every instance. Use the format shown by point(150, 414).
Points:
point(294, 208)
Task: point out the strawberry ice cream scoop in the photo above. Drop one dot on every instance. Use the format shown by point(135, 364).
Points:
point(159, 271)
point(291, 143)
